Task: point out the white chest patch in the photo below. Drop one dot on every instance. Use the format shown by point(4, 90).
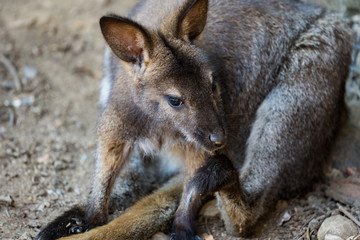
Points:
point(171, 154)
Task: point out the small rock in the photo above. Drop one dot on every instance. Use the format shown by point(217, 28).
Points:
point(332, 237)
point(314, 224)
point(84, 157)
point(36, 51)
point(82, 69)
point(60, 165)
point(7, 115)
point(20, 102)
point(41, 207)
point(30, 72)
point(45, 159)
point(42, 193)
point(25, 236)
point(22, 23)
point(2, 129)
point(6, 200)
point(286, 217)
point(58, 192)
point(338, 226)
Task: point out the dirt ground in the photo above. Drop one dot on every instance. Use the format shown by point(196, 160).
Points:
point(48, 114)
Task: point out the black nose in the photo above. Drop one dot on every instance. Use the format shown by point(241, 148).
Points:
point(217, 139)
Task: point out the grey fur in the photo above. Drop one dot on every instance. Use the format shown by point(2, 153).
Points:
point(281, 67)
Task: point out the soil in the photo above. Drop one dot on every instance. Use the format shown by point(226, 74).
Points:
point(48, 117)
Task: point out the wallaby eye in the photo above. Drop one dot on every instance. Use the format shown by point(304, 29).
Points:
point(174, 102)
point(213, 86)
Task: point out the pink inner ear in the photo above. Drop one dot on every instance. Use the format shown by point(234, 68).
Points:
point(125, 40)
point(194, 20)
point(130, 39)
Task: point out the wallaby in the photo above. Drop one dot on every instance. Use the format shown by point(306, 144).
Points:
point(241, 97)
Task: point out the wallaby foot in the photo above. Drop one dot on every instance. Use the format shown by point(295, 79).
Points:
point(238, 214)
point(183, 224)
point(148, 216)
point(185, 231)
point(71, 222)
point(217, 173)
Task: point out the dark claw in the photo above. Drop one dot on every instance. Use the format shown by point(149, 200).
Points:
point(76, 225)
point(71, 222)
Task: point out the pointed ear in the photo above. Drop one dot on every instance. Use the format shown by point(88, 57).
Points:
point(192, 19)
point(127, 39)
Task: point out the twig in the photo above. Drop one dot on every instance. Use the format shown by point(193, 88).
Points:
point(302, 233)
point(7, 212)
point(349, 215)
point(10, 67)
point(12, 117)
point(308, 233)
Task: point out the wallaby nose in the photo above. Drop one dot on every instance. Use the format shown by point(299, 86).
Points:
point(217, 139)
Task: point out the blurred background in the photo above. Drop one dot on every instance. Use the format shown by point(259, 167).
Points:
point(50, 69)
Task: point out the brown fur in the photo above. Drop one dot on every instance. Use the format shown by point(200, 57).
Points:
point(135, 221)
point(256, 83)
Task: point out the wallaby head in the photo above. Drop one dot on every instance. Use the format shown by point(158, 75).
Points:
point(168, 76)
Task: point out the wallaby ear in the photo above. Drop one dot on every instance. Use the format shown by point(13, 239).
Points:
point(192, 19)
point(127, 39)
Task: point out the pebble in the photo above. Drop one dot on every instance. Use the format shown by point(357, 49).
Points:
point(30, 72)
point(84, 157)
point(22, 23)
point(58, 192)
point(45, 159)
point(20, 102)
point(337, 226)
point(286, 217)
point(6, 200)
point(314, 224)
point(60, 165)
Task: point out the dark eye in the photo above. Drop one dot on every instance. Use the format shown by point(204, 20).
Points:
point(213, 86)
point(174, 102)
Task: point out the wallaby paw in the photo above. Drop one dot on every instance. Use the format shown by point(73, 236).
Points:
point(77, 225)
point(217, 173)
point(71, 222)
point(183, 230)
point(174, 237)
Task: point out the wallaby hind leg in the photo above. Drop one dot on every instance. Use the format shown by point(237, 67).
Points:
point(148, 216)
point(294, 126)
